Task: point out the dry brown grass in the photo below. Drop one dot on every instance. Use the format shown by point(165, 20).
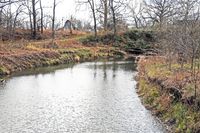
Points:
point(23, 54)
point(161, 87)
point(156, 69)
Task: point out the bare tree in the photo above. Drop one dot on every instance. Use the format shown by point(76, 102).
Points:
point(117, 11)
point(103, 9)
point(182, 38)
point(28, 6)
point(136, 10)
point(6, 15)
point(17, 13)
point(187, 8)
point(160, 10)
point(4, 3)
point(47, 21)
point(92, 6)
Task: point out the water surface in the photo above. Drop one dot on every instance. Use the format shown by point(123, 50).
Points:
point(92, 97)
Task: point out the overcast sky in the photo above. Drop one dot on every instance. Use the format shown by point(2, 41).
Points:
point(66, 8)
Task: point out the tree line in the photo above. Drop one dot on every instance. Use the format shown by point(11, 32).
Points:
point(177, 19)
point(108, 15)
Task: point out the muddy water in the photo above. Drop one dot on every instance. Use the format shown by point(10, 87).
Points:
point(92, 97)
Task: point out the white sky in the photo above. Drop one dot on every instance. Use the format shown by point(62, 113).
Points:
point(66, 8)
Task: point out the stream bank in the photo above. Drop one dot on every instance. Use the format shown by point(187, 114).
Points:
point(168, 94)
point(25, 54)
point(13, 62)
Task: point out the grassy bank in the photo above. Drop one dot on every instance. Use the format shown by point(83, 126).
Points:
point(169, 93)
point(18, 56)
point(23, 54)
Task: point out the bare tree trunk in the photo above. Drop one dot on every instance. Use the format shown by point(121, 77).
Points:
point(14, 26)
point(105, 14)
point(18, 11)
point(93, 10)
point(30, 17)
point(9, 25)
point(31, 23)
point(136, 22)
point(34, 19)
point(95, 24)
point(53, 20)
point(41, 19)
point(113, 16)
point(92, 6)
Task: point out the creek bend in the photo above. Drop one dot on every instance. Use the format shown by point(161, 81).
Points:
point(90, 97)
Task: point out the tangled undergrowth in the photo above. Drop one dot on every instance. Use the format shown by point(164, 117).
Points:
point(170, 93)
point(133, 41)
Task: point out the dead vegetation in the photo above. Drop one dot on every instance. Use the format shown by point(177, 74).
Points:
point(23, 54)
point(173, 93)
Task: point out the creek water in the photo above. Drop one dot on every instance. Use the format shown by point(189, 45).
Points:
point(90, 97)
